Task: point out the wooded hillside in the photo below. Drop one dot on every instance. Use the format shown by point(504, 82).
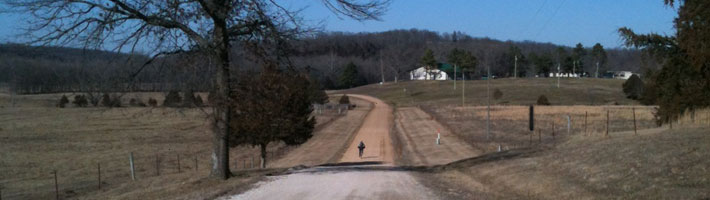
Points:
point(325, 56)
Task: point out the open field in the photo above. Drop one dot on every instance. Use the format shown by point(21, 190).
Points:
point(656, 164)
point(416, 133)
point(38, 138)
point(572, 91)
point(509, 125)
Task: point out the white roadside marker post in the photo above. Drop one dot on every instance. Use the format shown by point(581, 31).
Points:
point(438, 137)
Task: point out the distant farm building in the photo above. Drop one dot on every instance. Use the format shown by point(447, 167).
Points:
point(566, 75)
point(440, 73)
point(618, 74)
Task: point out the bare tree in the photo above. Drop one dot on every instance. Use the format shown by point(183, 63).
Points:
point(172, 27)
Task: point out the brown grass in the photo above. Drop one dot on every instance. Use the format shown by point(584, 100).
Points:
point(573, 91)
point(656, 164)
point(38, 138)
point(510, 124)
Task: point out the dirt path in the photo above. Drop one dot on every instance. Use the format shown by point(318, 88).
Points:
point(418, 133)
point(374, 132)
point(328, 141)
point(382, 181)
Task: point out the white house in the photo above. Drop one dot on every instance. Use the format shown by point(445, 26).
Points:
point(622, 74)
point(565, 75)
point(434, 74)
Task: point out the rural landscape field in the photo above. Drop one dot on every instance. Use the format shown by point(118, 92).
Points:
point(351, 99)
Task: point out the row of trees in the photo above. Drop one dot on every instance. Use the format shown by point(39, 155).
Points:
point(396, 52)
point(328, 55)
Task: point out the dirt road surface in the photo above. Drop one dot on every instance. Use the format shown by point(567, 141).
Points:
point(418, 133)
point(329, 141)
point(374, 132)
point(382, 181)
point(341, 183)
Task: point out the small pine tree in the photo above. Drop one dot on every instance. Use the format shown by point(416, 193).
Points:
point(542, 100)
point(80, 101)
point(211, 98)
point(106, 100)
point(189, 99)
point(344, 99)
point(63, 101)
point(497, 94)
point(133, 102)
point(152, 102)
point(633, 88)
point(116, 101)
point(198, 101)
point(173, 99)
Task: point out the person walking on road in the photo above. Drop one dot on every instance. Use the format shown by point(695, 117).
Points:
point(361, 147)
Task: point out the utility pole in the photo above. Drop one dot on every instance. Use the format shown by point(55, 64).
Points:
point(596, 74)
point(463, 89)
point(454, 76)
point(574, 66)
point(515, 70)
point(558, 75)
point(488, 99)
point(382, 71)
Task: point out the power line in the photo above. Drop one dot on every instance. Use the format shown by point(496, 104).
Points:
point(533, 18)
point(550, 19)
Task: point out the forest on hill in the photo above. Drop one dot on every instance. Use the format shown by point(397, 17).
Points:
point(326, 56)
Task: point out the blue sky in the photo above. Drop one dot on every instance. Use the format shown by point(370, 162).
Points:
point(565, 22)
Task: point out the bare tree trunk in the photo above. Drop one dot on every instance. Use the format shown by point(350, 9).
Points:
point(263, 155)
point(222, 114)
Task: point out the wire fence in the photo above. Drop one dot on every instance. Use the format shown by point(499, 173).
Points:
point(510, 125)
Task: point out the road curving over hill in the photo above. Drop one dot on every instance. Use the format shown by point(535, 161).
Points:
point(372, 177)
point(375, 133)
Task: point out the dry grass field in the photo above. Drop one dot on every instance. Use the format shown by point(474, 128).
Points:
point(510, 124)
point(38, 138)
point(656, 164)
point(572, 91)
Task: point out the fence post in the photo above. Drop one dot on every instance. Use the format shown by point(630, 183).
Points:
point(607, 123)
point(634, 111)
point(178, 162)
point(531, 135)
point(553, 130)
point(569, 125)
point(157, 165)
point(98, 170)
point(133, 170)
point(56, 184)
point(585, 122)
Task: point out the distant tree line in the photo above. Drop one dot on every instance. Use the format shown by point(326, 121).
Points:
point(336, 60)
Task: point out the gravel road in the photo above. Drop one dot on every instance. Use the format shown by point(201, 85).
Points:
point(380, 181)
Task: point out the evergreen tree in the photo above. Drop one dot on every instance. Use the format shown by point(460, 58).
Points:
point(633, 87)
point(578, 54)
point(272, 107)
point(80, 101)
point(600, 58)
point(350, 77)
point(172, 99)
point(429, 62)
point(683, 83)
point(63, 101)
